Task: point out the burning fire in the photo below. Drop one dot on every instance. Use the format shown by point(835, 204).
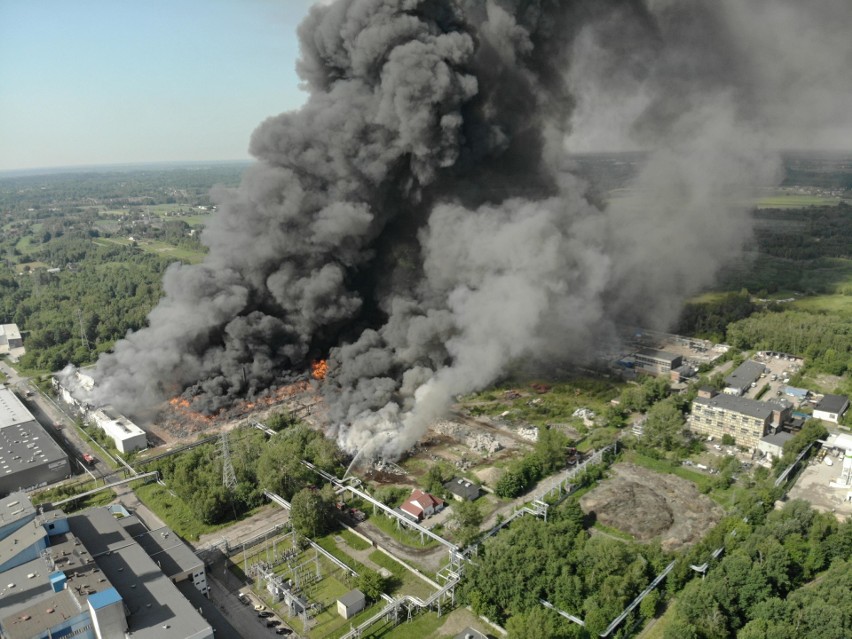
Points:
point(319, 369)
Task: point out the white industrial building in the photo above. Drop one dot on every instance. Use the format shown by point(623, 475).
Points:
point(10, 341)
point(126, 435)
point(73, 386)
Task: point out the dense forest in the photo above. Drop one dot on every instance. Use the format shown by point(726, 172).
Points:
point(259, 463)
point(76, 313)
point(824, 340)
point(768, 585)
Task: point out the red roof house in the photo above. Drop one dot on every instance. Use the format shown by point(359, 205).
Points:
point(421, 505)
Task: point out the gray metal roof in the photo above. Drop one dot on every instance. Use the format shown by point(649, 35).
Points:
point(157, 609)
point(163, 546)
point(352, 598)
point(778, 439)
point(24, 444)
point(659, 355)
point(745, 374)
point(832, 403)
point(750, 407)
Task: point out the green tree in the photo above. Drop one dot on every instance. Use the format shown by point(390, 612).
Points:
point(468, 516)
point(664, 427)
point(649, 605)
point(311, 513)
point(371, 583)
point(537, 623)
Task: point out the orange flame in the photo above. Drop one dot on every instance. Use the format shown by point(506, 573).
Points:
point(319, 369)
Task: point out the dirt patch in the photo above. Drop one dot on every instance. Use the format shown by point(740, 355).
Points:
point(651, 505)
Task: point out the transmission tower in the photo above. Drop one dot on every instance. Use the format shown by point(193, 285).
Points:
point(229, 479)
point(83, 337)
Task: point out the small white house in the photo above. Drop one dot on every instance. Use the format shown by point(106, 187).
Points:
point(351, 604)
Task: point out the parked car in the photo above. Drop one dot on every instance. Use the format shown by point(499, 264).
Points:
point(283, 631)
point(264, 614)
point(260, 607)
point(271, 623)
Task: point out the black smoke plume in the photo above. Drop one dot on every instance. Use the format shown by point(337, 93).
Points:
point(417, 218)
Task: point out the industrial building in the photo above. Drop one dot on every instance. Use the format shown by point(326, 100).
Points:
point(773, 443)
point(746, 374)
point(126, 435)
point(831, 408)
point(28, 455)
point(746, 420)
point(654, 362)
point(87, 576)
point(10, 341)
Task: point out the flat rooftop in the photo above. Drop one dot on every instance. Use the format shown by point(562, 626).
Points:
point(9, 332)
point(157, 608)
point(12, 410)
point(750, 407)
point(15, 506)
point(26, 445)
point(24, 608)
point(164, 547)
point(653, 353)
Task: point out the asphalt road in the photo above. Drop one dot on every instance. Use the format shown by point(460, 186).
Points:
point(224, 587)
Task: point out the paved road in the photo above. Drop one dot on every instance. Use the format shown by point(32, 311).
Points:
point(224, 587)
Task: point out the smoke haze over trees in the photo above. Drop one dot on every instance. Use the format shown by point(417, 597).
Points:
point(417, 220)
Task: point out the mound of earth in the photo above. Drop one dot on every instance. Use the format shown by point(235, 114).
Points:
point(650, 505)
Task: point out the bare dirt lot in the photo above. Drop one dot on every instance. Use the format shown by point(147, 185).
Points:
point(813, 485)
point(650, 505)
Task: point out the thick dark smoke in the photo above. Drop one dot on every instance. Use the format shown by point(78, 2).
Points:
point(415, 218)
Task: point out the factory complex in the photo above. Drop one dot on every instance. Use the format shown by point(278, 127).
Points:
point(98, 574)
point(29, 457)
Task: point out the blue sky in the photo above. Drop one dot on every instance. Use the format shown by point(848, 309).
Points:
point(116, 81)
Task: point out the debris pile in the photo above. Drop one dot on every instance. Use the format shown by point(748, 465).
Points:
point(482, 443)
point(529, 433)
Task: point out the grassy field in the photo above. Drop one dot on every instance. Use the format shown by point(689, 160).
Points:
point(407, 583)
point(554, 406)
point(664, 466)
point(178, 253)
point(838, 305)
point(401, 534)
point(354, 541)
point(175, 512)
